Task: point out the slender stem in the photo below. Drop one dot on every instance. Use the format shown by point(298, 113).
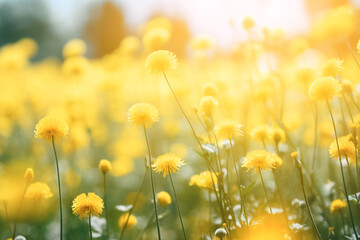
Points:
point(152, 186)
point(59, 187)
point(90, 229)
point(267, 198)
point(352, 52)
point(151, 216)
point(238, 176)
point(7, 217)
point(342, 171)
point(134, 202)
point(352, 178)
point(178, 206)
point(281, 197)
point(307, 203)
point(106, 206)
point(315, 137)
point(210, 232)
point(39, 222)
point(18, 211)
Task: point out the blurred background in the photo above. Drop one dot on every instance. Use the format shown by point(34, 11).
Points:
point(102, 24)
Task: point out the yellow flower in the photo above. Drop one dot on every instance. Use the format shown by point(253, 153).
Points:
point(163, 198)
point(260, 133)
point(155, 38)
point(275, 161)
point(143, 114)
point(324, 88)
point(87, 206)
point(346, 146)
point(167, 163)
point(51, 127)
point(38, 191)
point(207, 105)
point(248, 23)
point(305, 75)
point(277, 135)
point(332, 67)
point(129, 44)
point(257, 159)
point(29, 176)
point(204, 180)
point(337, 205)
point(131, 222)
point(210, 89)
point(202, 43)
point(104, 166)
point(228, 129)
point(161, 61)
point(347, 86)
point(294, 154)
point(74, 48)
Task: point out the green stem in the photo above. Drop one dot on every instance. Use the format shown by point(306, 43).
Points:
point(151, 216)
point(238, 176)
point(59, 187)
point(267, 198)
point(342, 171)
point(18, 211)
point(90, 229)
point(7, 217)
point(106, 207)
point(281, 197)
point(134, 202)
point(177, 206)
point(152, 187)
point(307, 203)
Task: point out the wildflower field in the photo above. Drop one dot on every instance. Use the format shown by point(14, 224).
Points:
point(257, 142)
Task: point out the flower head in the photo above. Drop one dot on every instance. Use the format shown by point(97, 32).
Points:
point(337, 205)
point(143, 114)
point(274, 160)
point(210, 89)
point(346, 146)
point(161, 61)
point(228, 129)
point(276, 134)
point(207, 106)
point(260, 133)
point(257, 159)
point(73, 48)
point(104, 165)
point(29, 176)
point(51, 127)
point(163, 198)
point(130, 223)
point(87, 206)
point(324, 88)
point(167, 163)
point(332, 67)
point(204, 180)
point(38, 191)
point(248, 23)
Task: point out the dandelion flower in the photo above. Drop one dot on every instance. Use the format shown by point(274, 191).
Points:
point(228, 129)
point(204, 180)
point(248, 23)
point(274, 160)
point(51, 127)
point(29, 176)
point(260, 133)
point(167, 163)
point(156, 38)
point(210, 89)
point(324, 88)
point(277, 135)
point(163, 198)
point(143, 114)
point(87, 206)
point(131, 222)
point(104, 166)
point(161, 61)
point(346, 146)
point(74, 48)
point(38, 191)
point(208, 105)
point(257, 159)
point(337, 205)
point(332, 67)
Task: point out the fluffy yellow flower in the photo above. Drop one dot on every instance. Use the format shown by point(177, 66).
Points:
point(248, 23)
point(161, 61)
point(51, 127)
point(155, 38)
point(277, 135)
point(167, 163)
point(29, 176)
point(346, 146)
point(38, 191)
point(275, 161)
point(143, 114)
point(324, 88)
point(163, 198)
point(87, 206)
point(131, 222)
point(337, 205)
point(228, 129)
point(208, 105)
point(260, 133)
point(210, 89)
point(204, 180)
point(332, 67)
point(104, 166)
point(257, 159)
point(73, 48)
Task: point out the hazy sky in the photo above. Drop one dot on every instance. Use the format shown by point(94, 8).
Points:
point(210, 17)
